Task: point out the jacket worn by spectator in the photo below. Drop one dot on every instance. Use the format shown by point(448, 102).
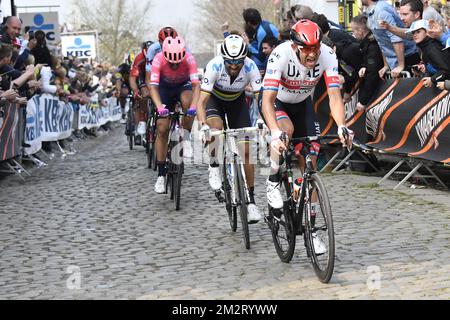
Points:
point(350, 61)
point(431, 52)
point(263, 30)
point(373, 62)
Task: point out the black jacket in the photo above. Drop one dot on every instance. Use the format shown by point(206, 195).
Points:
point(350, 60)
point(431, 52)
point(373, 62)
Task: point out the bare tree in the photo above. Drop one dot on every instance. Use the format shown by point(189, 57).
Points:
point(121, 24)
point(215, 13)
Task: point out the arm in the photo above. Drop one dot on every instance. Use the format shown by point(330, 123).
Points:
point(268, 110)
point(399, 49)
point(201, 107)
point(337, 106)
point(133, 85)
point(154, 94)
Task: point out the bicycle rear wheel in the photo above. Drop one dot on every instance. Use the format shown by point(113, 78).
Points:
point(177, 175)
point(232, 212)
point(320, 226)
point(282, 227)
point(242, 204)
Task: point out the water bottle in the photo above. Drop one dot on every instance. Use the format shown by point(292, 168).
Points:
point(297, 187)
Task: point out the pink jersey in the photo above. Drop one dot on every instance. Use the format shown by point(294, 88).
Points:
point(163, 73)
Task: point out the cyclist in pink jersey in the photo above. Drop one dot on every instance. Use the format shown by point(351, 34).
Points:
point(174, 79)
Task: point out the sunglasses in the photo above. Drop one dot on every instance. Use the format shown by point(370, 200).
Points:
point(309, 49)
point(233, 62)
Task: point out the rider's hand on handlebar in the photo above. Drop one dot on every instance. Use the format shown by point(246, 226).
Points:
point(279, 141)
point(346, 135)
point(162, 111)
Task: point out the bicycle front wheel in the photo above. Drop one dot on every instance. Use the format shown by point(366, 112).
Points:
point(282, 227)
point(319, 230)
point(232, 212)
point(242, 204)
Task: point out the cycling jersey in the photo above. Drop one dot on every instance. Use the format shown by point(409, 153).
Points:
point(138, 67)
point(162, 72)
point(293, 81)
point(152, 51)
point(218, 82)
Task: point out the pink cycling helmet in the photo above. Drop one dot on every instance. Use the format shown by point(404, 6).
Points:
point(174, 49)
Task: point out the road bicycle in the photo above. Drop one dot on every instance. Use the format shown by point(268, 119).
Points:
point(235, 191)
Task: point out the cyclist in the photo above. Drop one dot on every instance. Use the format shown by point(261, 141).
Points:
point(223, 92)
point(174, 78)
point(294, 69)
point(140, 90)
point(122, 81)
point(156, 48)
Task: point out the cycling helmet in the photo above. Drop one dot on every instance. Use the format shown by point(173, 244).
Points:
point(146, 45)
point(124, 68)
point(166, 32)
point(130, 58)
point(306, 33)
point(174, 49)
point(234, 48)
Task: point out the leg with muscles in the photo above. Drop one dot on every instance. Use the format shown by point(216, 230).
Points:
point(186, 102)
point(273, 188)
point(215, 181)
point(142, 112)
point(161, 150)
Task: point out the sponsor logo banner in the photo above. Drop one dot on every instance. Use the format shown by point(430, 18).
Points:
point(47, 22)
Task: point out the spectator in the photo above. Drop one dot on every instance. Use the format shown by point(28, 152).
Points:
point(261, 29)
point(400, 54)
point(268, 44)
point(430, 13)
point(350, 62)
point(432, 52)
point(445, 85)
point(372, 61)
point(41, 52)
point(300, 12)
point(11, 32)
point(335, 35)
point(410, 11)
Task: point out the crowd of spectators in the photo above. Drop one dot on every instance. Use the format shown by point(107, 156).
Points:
point(28, 67)
point(410, 38)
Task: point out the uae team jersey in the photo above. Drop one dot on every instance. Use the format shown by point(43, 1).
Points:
point(164, 74)
point(218, 82)
point(294, 82)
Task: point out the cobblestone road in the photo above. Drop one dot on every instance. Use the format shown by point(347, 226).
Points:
point(93, 221)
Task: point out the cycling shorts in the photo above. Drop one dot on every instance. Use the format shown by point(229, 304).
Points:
point(171, 95)
point(237, 113)
point(304, 120)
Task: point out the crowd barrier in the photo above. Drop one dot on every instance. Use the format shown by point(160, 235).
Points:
point(50, 119)
point(406, 118)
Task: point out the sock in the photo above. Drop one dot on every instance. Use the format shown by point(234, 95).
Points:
point(251, 192)
point(162, 169)
point(213, 163)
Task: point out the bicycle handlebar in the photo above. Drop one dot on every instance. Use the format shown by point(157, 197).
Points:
point(215, 133)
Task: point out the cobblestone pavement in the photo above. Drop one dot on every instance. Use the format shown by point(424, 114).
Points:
point(91, 227)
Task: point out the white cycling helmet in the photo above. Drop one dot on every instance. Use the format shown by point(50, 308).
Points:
point(234, 48)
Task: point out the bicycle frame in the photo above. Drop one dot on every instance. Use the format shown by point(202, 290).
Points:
point(304, 195)
point(231, 154)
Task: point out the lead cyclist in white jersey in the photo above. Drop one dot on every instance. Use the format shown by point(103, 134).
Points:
point(294, 69)
point(223, 92)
